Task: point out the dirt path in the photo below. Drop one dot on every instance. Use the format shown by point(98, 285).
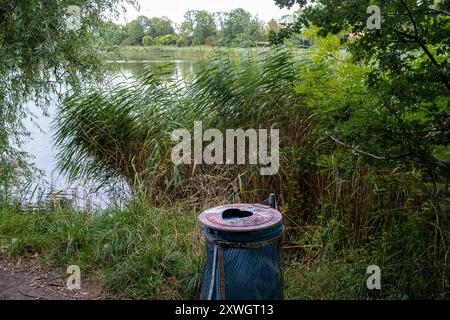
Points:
point(24, 279)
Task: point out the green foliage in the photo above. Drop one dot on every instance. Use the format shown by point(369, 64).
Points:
point(237, 28)
point(240, 29)
point(146, 28)
point(327, 280)
point(364, 150)
point(103, 135)
point(38, 56)
point(204, 28)
point(409, 81)
point(410, 269)
point(158, 27)
point(142, 252)
point(198, 27)
point(16, 177)
point(167, 40)
point(148, 41)
point(114, 35)
point(135, 33)
point(170, 53)
point(348, 208)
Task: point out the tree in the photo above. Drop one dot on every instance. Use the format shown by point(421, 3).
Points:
point(135, 32)
point(204, 28)
point(240, 29)
point(157, 27)
point(151, 27)
point(114, 34)
point(148, 41)
point(272, 28)
point(187, 28)
point(410, 55)
point(219, 18)
point(166, 40)
point(198, 26)
point(40, 53)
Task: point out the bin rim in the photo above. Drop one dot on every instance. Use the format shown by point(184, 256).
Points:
point(263, 217)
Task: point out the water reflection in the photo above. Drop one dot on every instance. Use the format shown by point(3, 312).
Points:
point(41, 142)
point(165, 69)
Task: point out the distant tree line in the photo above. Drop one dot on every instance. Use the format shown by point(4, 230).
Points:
point(237, 28)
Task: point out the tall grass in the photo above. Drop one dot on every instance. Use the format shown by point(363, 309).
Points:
point(140, 251)
point(124, 131)
point(340, 209)
point(175, 53)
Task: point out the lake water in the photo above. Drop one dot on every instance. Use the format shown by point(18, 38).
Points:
point(42, 148)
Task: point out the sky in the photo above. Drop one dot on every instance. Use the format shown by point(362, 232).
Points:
point(175, 9)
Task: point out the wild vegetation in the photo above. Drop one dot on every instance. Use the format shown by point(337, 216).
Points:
point(168, 54)
point(39, 55)
point(337, 202)
point(363, 180)
point(237, 28)
point(140, 251)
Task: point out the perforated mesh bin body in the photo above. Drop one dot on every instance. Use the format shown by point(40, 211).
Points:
point(244, 264)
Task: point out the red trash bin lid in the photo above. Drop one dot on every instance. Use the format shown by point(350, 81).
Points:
point(240, 217)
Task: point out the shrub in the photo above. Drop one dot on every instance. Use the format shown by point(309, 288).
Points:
point(167, 40)
point(148, 41)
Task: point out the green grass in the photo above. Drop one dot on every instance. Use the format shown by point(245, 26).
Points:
point(141, 252)
point(173, 53)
